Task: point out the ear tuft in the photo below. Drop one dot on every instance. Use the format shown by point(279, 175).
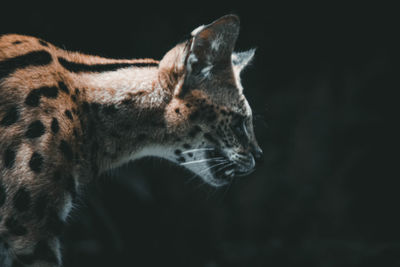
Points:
point(241, 59)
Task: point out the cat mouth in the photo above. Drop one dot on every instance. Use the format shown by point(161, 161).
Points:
point(224, 169)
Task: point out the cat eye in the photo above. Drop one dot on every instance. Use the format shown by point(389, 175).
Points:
point(240, 131)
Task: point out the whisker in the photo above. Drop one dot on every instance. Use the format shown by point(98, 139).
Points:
point(226, 166)
point(202, 171)
point(202, 160)
point(197, 149)
point(213, 166)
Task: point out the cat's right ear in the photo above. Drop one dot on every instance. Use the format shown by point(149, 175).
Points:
point(209, 50)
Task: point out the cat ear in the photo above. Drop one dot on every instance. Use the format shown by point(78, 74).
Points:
point(241, 59)
point(212, 46)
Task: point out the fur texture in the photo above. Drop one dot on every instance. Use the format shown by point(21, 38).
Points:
point(66, 117)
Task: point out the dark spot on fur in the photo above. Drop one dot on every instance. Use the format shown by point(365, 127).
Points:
point(36, 162)
point(16, 42)
point(11, 116)
point(194, 131)
point(178, 152)
point(33, 98)
point(188, 105)
point(35, 129)
point(35, 58)
point(63, 87)
point(194, 115)
point(49, 92)
point(177, 111)
point(77, 92)
point(186, 146)
point(43, 43)
point(66, 150)
point(181, 159)
point(75, 132)
point(54, 126)
point(85, 107)
point(9, 157)
point(22, 199)
point(3, 194)
point(41, 205)
point(68, 114)
point(190, 154)
point(73, 98)
point(15, 227)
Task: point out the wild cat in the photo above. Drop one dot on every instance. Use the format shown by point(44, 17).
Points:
point(66, 117)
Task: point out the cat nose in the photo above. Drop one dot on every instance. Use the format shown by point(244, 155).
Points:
point(258, 154)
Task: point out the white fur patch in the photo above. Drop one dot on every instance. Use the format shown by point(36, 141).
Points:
point(242, 59)
point(217, 42)
point(206, 72)
point(67, 207)
point(197, 30)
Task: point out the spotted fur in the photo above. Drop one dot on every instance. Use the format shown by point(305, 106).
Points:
point(66, 117)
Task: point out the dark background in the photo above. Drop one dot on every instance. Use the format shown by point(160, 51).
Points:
point(322, 85)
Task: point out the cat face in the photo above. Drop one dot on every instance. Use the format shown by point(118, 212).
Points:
point(209, 110)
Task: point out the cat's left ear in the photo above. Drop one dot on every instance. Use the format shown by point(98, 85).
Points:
point(212, 45)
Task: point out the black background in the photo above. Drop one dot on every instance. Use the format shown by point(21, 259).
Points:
point(322, 88)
